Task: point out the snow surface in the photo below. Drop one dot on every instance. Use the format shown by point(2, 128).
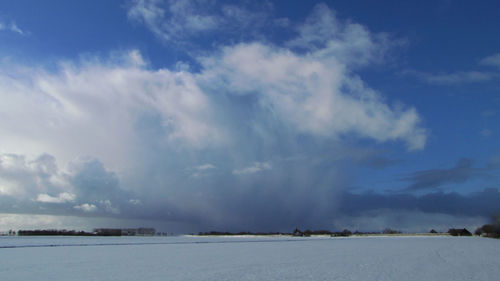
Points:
point(249, 258)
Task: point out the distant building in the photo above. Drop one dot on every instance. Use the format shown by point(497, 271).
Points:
point(146, 231)
point(8, 233)
point(297, 232)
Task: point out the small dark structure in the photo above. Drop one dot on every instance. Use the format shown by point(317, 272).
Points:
point(459, 232)
point(346, 232)
point(297, 232)
point(433, 231)
point(390, 231)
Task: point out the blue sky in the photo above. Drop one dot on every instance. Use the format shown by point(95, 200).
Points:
point(253, 115)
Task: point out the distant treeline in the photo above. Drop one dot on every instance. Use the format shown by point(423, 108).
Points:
point(298, 232)
point(51, 232)
point(142, 231)
point(219, 233)
point(295, 233)
point(489, 230)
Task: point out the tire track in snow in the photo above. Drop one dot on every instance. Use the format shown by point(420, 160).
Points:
point(155, 243)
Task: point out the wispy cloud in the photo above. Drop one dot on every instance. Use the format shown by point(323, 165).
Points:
point(350, 42)
point(204, 167)
point(11, 27)
point(493, 60)
point(460, 77)
point(254, 168)
point(455, 77)
point(61, 198)
point(201, 170)
point(182, 22)
point(173, 19)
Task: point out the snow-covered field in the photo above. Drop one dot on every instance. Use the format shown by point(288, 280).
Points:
point(249, 258)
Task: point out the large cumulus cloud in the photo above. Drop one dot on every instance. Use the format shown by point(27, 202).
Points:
point(254, 137)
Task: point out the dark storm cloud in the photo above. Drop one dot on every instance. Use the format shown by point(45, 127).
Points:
point(306, 192)
point(260, 208)
point(93, 182)
point(483, 203)
point(433, 178)
point(286, 194)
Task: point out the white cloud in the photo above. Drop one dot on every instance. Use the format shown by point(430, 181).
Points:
point(61, 198)
point(138, 125)
point(202, 170)
point(23, 177)
point(93, 110)
point(255, 168)
point(312, 95)
point(135, 202)
point(86, 207)
point(115, 111)
point(314, 92)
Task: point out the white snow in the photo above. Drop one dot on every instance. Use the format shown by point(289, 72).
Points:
point(249, 258)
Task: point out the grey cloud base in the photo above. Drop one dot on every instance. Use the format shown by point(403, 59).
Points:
point(293, 193)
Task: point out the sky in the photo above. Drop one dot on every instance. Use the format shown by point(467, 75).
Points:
point(199, 115)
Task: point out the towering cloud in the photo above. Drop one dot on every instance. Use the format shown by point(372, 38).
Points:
point(252, 134)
